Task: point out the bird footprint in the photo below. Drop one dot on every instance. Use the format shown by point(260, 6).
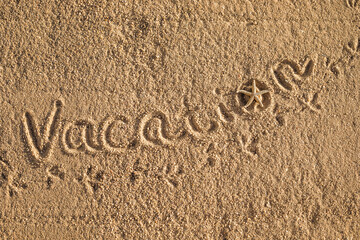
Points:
point(170, 174)
point(92, 180)
point(248, 145)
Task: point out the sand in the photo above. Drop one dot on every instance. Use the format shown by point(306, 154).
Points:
point(180, 119)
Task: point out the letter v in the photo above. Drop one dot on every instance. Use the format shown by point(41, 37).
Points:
point(40, 141)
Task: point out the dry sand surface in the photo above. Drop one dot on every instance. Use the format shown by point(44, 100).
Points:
point(180, 120)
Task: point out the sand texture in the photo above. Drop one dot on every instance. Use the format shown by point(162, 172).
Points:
point(180, 119)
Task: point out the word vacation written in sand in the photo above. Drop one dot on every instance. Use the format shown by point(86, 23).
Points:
point(253, 96)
